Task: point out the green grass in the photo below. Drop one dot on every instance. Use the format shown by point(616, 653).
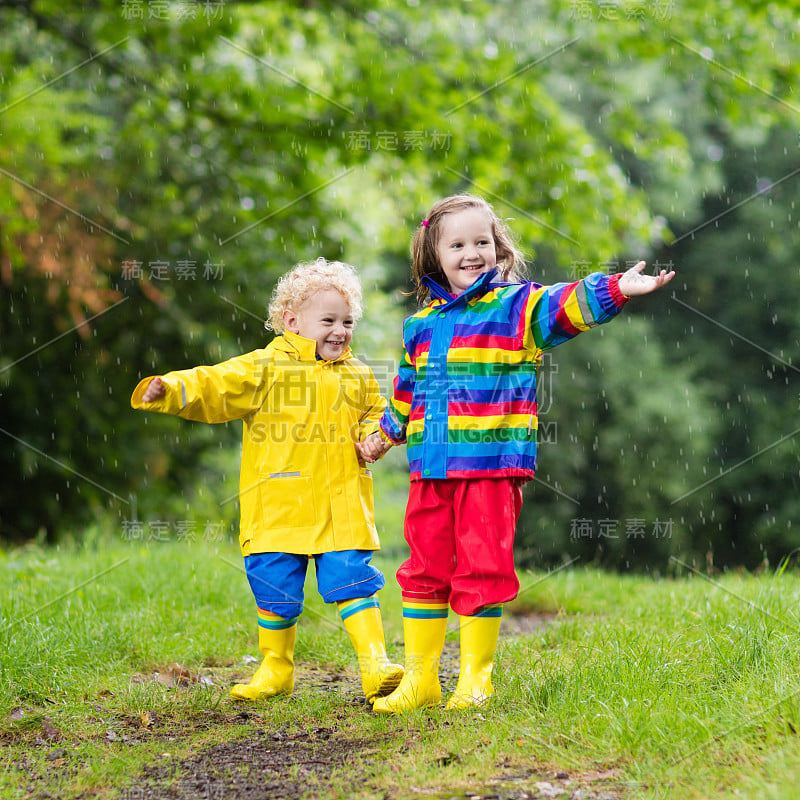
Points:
point(684, 687)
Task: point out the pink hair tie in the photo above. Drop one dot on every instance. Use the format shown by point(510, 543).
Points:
point(424, 223)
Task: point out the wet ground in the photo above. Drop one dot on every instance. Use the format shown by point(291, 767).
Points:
point(288, 764)
point(263, 766)
point(277, 766)
point(284, 765)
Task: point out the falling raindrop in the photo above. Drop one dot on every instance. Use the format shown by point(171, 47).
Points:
point(763, 184)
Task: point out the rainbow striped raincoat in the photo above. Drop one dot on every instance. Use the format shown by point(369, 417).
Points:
point(464, 399)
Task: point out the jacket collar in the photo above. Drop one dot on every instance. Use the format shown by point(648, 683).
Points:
point(301, 348)
point(480, 287)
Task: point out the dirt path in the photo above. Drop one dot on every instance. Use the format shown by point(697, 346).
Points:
point(262, 766)
point(259, 762)
point(290, 765)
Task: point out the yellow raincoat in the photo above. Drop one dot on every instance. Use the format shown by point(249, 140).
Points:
point(301, 487)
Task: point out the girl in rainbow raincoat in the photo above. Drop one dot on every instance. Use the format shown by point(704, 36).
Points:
point(464, 404)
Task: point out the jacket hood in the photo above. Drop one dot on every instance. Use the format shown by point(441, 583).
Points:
point(480, 287)
point(301, 348)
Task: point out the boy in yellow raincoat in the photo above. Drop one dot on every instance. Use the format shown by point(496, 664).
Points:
point(305, 402)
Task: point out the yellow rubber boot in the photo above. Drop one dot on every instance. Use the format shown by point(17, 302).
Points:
point(362, 620)
point(424, 626)
point(275, 676)
point(478, 644)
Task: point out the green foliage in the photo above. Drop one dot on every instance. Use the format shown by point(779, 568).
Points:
point(232, 144)
point(618, 444)
point(735, 321)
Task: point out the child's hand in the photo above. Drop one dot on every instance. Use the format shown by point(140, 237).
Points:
point(633, 282)
point(155, 391)
point(372, 448)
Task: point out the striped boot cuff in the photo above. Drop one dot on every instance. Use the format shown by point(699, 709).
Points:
point(489, 611)
point(423, 610)
point(349, 607)
point(266, 619)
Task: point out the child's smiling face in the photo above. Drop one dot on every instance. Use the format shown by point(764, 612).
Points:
point(326, 318)
point(466, 247)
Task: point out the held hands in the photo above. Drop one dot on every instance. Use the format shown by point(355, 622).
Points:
point(372, 448)
point(155, 391)
point(633, 283)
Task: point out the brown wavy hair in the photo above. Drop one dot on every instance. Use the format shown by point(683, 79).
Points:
point(424, 261)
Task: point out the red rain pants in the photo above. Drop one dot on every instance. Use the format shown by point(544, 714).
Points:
point(461, 535)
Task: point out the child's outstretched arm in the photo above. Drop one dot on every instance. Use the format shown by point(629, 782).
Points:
point(218, 393)
point(633, 283)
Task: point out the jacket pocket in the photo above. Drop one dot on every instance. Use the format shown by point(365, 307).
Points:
point(367, 499)
point(287, 500)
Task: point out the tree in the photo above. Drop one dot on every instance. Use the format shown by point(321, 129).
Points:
point(162, 172)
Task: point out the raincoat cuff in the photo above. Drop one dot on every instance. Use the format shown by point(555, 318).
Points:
point(386, 438)
point(166, 404)
point(366, 429)
point(613, 288)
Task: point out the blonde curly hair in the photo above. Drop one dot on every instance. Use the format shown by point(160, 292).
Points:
point(304, 280)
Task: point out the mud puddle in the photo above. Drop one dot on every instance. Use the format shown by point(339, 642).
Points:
point(272, 765)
